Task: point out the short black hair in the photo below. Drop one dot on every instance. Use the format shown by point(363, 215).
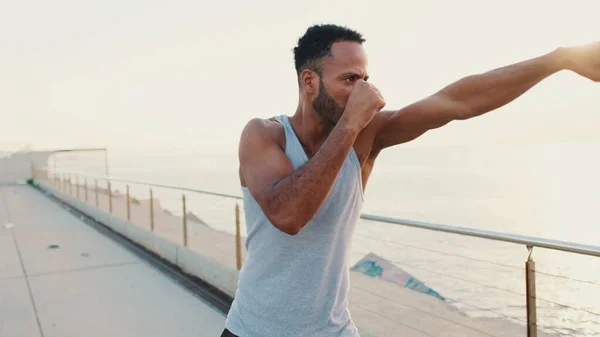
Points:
point(316, 44)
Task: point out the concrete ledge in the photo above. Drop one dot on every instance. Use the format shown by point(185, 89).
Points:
point(217, 275)
point(165, 248)
point(142, 236)
point(208, 270)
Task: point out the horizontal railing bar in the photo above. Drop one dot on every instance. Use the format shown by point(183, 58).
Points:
point(496, 236)
point(564, 246)
point(156, 185)
point(88, 149)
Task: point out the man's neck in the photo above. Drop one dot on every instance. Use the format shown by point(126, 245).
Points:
point(310, 129)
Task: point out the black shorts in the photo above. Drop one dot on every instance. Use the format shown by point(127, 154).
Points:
point(227, 333)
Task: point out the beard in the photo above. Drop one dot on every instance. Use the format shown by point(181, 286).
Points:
point(328, 110)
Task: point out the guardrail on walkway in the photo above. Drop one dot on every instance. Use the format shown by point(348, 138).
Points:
point(83, 186)
point(79, 184)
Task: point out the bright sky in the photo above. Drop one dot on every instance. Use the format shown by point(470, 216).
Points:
point(187, 75)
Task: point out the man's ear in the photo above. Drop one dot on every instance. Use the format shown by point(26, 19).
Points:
point(309, 81)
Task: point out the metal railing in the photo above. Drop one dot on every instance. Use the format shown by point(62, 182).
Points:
point(529, 242)
point(72, 183)
point(63, 181)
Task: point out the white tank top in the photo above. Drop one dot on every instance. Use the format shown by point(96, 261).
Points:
point(293, 286)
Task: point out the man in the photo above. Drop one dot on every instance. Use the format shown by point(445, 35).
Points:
point(303, 177)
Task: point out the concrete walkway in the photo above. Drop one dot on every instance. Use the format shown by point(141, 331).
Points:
point(61, 278)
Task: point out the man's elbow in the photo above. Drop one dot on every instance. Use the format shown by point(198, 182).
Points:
point(291, 230)
point(287, 223)
point(289, 217)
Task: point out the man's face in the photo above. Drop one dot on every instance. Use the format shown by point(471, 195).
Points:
point(339, 73)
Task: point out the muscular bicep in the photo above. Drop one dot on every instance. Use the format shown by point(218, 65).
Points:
point(262, 161)
point(404, 125)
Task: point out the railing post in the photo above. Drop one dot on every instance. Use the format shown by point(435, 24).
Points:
point(238, 239)
point(77, 186)
point(109, 198)
point(531, 295)
point(151, 211)
point(128, 205)
point(32, 170)
point(96, 190)
point(185, 235)
point(70, 186)
point(85, 188)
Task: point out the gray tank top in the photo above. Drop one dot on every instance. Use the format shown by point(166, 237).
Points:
point(292, 286)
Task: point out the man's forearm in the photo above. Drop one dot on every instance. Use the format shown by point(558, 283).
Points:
point(493, 89)
point(298, 197)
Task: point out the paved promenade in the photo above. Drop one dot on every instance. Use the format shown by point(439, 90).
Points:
point(61, 278)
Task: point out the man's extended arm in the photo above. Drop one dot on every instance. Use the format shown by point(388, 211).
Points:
point(478, 94)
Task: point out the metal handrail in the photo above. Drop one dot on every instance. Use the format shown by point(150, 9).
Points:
point(172, 187)
point(490, 235)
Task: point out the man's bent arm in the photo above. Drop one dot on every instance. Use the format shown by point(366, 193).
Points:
point(467, 98)
point(291, 198)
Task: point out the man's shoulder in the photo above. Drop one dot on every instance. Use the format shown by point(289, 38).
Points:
point(264, 124)
point(264, 130)
point(364, 145)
